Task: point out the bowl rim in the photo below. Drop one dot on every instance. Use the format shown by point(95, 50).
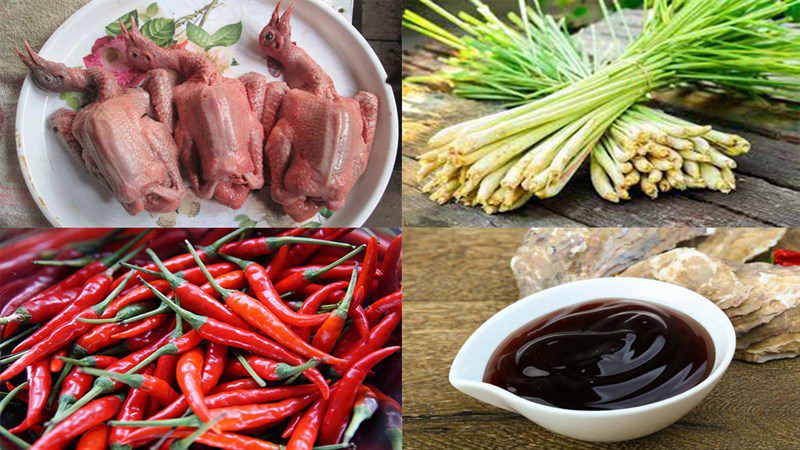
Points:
point(724, 341)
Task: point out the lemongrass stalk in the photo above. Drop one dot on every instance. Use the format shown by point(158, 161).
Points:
point(642, 164)
point(656, 150)
point(545, 152)
point(492, 182)
point(712, 177)
point(632, 179)
point(601, 155)
point(445, 193)
point(655, 176)
point(625, 167)
point(620, 154)
point(601, 182)
point(519, 203)
point(692, 168)
point(728, 178)
point(720, 160)
point(511, 149)
point(663, 164)
point(679, 143)
point(694, 156)
point(676, 179)
point(649, 188)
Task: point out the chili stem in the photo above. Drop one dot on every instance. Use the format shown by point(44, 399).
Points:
point(260, 381)
point(3, 404)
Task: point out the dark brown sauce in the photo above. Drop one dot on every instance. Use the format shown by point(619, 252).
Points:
point(603, 354)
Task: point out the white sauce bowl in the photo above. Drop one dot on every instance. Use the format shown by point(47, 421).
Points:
point(469, 366)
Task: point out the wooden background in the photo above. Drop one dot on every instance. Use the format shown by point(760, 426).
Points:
point(768, 178)
point(455, 280)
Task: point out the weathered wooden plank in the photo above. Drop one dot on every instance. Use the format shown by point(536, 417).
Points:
point(380, 18)
point(455, 279)
point(757, 199)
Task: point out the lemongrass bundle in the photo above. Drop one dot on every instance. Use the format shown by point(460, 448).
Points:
point(572, 107)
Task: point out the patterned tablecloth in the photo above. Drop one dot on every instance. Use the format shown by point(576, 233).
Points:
point(35, 21)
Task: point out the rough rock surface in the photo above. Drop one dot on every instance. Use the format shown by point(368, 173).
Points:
point(552, 256)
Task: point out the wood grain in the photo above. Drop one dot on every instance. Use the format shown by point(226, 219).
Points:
point(455, 279)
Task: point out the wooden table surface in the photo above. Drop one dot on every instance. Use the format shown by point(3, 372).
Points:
point(768, 192)
point(455, 280)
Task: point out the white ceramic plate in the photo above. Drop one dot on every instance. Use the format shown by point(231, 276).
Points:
point(68, 196)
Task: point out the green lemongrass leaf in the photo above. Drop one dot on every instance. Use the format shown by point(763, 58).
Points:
point(161, 31)
point(226, 36)
point(113, 28)
point(197, 35)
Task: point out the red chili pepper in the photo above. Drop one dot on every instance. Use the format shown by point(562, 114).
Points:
point(343, 397)
point(360, 236)
point(39, 309)
point(20, 292)
point(228, 441)
point(263, 319)
point(237, 397)
point(188, 373)
point(57, 364)
point(292, 425)
point(94, 439)
point(133, 408)
point(308, 427)
point(213, 235)
point(391, 267)
point(69, 331)
point(194, 299)
point(91, 293)
point(379, 335)
point(98, 338)
point(214, 365)
point(301, 253)
point(244, 383)
point(360, 321)
point(154, 387)
point(165, 369)
point(39, 383)
point(278, 263)
point(299, 280)
point(186, 261)
point(222, 333)
point(329, 332)
point(235, 418)
point(139, 328)
point(786, 257)
point(96, 412)
point(261, 246)
point(171, 344)
point(365, 405)
point(374, 313)
point(313, 302)
point(267, 369)
point(338, 273)
point(367, 276)
point(140, 293)
point(260, 283)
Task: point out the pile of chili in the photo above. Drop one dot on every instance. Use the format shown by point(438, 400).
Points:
point(111, 348)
